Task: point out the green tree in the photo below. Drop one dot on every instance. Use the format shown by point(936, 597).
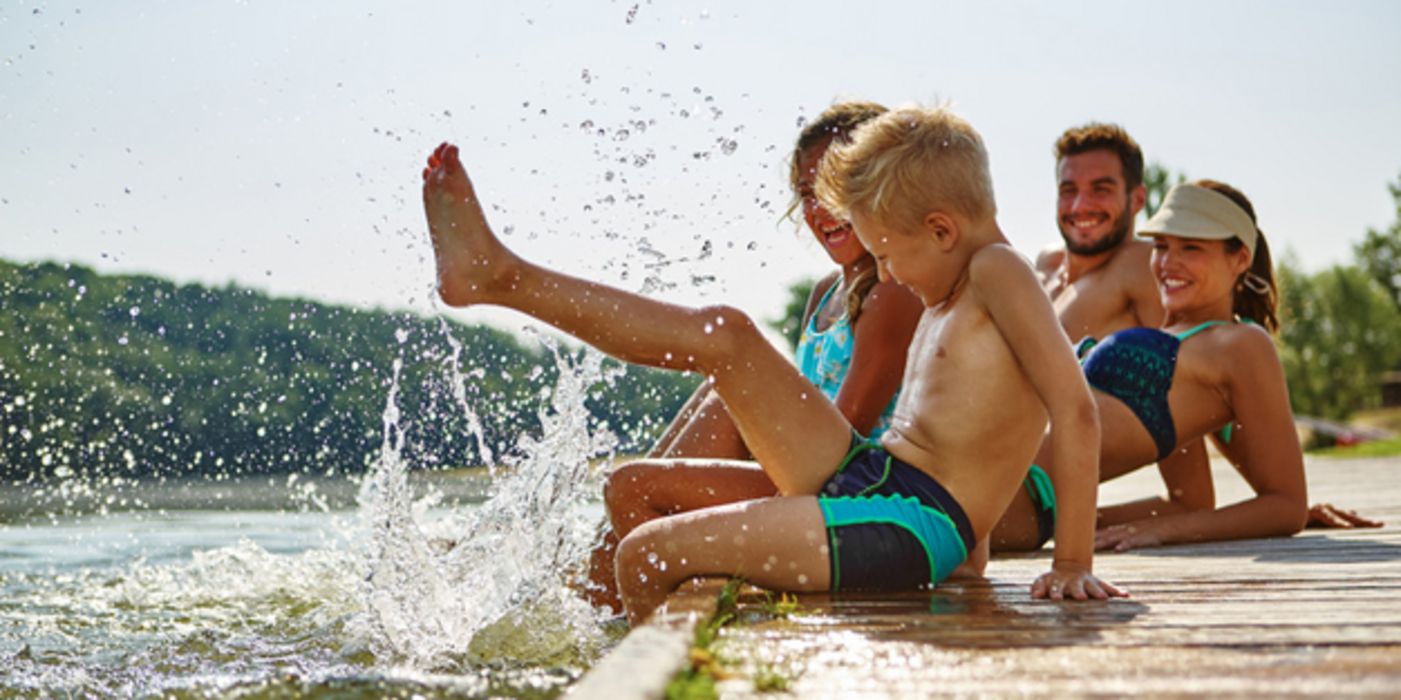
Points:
point(135, 376)
point(1339, 331)
point(790, 325)
point(1379, 254)
point(1157, 180)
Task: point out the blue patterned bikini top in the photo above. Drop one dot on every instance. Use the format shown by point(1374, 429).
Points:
point(1136, 366)
point(824, 356)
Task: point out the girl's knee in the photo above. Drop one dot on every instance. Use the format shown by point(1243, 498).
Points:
point(624, 495)
point(623, 483)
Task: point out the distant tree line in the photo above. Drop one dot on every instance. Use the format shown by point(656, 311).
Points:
point(137, 376)
point(1341, 327)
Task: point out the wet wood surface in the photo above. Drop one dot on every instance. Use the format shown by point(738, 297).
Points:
point(1318, 614)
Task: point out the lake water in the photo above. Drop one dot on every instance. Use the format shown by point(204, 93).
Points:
point(201, 601)
point(396, 583)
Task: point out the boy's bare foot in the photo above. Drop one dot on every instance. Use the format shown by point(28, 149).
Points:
point(471, 261)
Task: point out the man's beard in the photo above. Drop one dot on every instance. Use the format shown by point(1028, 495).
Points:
point(1122, 227)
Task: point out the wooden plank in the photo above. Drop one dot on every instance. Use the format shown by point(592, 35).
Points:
point(1314, 615)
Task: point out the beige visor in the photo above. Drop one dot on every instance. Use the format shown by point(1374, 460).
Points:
point(1191, 211)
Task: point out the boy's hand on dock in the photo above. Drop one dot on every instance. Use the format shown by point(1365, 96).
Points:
point(1065, 581)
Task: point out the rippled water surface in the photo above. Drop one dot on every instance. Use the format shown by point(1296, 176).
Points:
point(391, 584)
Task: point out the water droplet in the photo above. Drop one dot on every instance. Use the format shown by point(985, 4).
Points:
point(401, 335)
point(134, 311)
point(728, 146)
point(709, 329)
point(122, 340)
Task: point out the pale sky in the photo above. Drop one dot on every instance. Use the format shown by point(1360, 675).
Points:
point(278, 144)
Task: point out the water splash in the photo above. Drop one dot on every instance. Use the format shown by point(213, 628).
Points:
point(492, 583)
point(402, 595)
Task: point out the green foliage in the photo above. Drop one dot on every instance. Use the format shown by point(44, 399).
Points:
point(791, 325)
point(136, 376)
point(1339, 332)
point(770, 680)
point(1390, 447)
point(1379, 254)
point(691, 685)
point(1157, 180)
point(782, 607)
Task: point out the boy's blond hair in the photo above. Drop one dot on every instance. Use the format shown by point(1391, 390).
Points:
point(906, 163)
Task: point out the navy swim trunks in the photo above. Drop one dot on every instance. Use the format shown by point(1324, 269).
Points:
point(890, 526)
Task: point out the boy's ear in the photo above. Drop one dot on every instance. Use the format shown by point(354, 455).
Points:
point(942, 229)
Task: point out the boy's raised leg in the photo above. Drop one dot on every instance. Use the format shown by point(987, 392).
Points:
point(791, 428)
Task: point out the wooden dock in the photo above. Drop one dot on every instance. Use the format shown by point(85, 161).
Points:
point(1318, 614)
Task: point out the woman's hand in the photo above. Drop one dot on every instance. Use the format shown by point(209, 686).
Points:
point(1126, 536)
point(1327, 515)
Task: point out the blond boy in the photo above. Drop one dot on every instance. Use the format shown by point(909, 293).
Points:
point(987, 367)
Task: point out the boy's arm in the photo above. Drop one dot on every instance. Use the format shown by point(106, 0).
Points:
point(1007, 288)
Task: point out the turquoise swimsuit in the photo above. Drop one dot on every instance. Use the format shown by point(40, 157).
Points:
point(825, 356)
point(890, 526)
point(1136, 366)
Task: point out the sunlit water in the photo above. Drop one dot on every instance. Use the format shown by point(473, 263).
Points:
point(439, 585)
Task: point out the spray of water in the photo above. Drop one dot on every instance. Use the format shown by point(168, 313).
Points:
point(490, 584)
point(403, 593)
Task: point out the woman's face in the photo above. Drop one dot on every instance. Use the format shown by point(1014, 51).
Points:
point(1193, 274)
point(835, 235)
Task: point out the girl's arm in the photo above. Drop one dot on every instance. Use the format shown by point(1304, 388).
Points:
point(881, 338)
point(1270, 460)
point(819, 288)
point(1186, 474)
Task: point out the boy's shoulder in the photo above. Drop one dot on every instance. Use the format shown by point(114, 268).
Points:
point(998, 259)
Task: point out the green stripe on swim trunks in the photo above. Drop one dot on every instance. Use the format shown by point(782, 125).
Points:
point(945, 553)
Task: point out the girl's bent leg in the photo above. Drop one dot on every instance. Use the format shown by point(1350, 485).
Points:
point(791, 428)
point(706, 431)
point(641, 491)
point(778, 543)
